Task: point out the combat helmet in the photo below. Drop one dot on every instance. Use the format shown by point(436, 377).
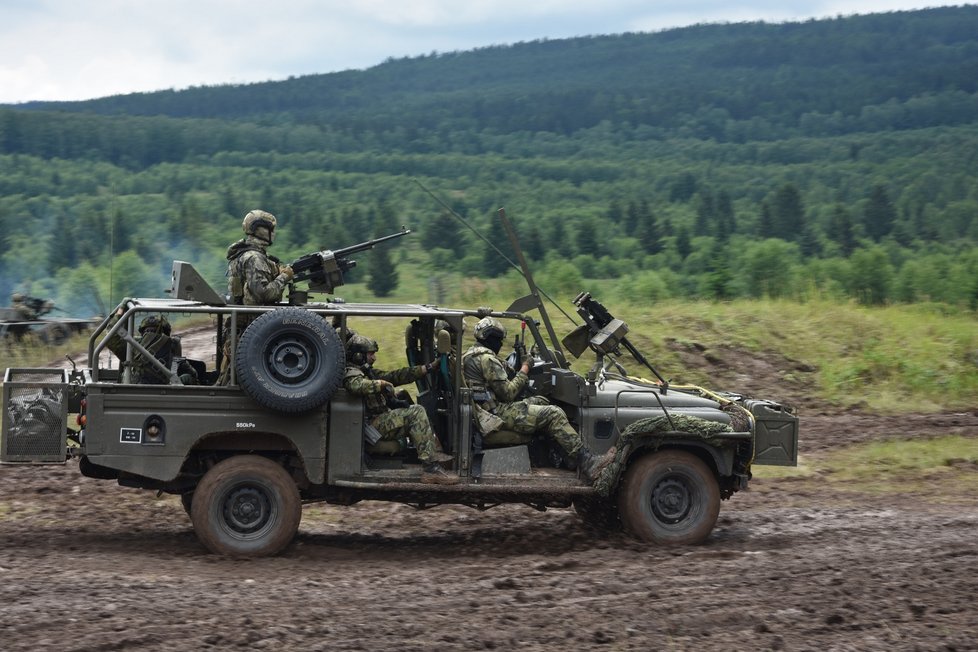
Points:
point(156, 324)
point(257, 219)
point(489, 328)
point(358, 346)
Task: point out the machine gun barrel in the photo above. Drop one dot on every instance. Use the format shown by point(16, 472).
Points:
point(324, 269)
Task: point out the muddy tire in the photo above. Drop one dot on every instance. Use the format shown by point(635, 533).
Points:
point(669, 498)
point(246, 506)
point(290, 360)
point(598, 513)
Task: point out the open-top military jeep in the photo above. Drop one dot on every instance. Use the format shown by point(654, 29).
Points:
point(245, 456)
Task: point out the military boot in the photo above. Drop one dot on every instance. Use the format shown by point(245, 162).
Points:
point(590, 466)
point(433, 473)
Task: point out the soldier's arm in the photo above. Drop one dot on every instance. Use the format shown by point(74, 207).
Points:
point(263, 284)
point(401, 376)
point(498, 381)
point(357, 382)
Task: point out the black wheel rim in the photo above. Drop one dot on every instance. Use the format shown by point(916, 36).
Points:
point(672, 500)
point(247, 510)
point(291, 359)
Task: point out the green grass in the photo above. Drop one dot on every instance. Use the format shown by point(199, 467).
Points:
point(943, 466)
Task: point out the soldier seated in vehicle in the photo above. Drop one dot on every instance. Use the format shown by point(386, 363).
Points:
point(498, 406)
point(155, 336)
point(392, 418)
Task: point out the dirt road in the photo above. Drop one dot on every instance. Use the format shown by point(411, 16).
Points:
point(793, 564)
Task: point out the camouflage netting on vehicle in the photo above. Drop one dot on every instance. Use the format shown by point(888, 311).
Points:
point(690, 426)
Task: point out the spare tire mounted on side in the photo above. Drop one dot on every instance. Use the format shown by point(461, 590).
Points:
point(290, 360)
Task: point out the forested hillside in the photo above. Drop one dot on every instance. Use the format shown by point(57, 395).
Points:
point(833, 158)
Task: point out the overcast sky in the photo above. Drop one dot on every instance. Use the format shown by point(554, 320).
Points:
point(82, 49)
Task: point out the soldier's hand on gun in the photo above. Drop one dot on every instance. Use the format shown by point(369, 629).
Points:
point(431, 366)
point(286, 270)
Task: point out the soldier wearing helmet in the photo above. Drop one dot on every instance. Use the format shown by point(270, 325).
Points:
point(154, 336)
point(254, 277)
point(394, 419)
point(496, 393)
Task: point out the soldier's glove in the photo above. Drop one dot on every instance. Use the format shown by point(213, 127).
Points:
point(431, 366)
point(528, 361)
point(286, 271)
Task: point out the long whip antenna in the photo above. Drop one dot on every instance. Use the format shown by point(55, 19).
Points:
point(489, 242)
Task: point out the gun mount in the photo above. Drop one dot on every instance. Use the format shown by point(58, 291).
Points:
point(324, 269)
point(603, 333)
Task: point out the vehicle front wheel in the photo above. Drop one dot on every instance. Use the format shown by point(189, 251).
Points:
point(670, 497)
point(246, 506)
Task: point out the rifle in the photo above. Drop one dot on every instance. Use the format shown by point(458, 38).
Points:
point(515, 359)
point(519, 346)
point(324, 269)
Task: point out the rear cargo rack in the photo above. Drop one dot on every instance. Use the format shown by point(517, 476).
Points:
point(35, 416)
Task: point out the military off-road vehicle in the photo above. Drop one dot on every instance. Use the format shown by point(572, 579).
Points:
point(245, 456)
point(27, 317)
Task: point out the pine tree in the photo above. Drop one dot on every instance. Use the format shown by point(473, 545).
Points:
point(880, 215)
point(683, 244)
point(648, 232)
point(683, 188)
point(532, 243)
point(705, 214)
point(765, 223)
point(384, 277)
point(788, 213)
point(586, 238)
point(840, 230)
point(443, 232)
point(726, 222)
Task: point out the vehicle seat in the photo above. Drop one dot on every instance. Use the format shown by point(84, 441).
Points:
point(388, 447)
point(504, 437)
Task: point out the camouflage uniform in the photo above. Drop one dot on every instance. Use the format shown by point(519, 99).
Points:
point(155, 338)
point(254, 279)
point(494, 392)
point(397, 423)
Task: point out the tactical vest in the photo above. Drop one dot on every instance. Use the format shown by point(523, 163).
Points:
point(373, 404)
point(475, 379)
point(237, 290)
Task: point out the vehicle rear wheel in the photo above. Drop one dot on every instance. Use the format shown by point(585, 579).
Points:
point(670, 497)
point(290, 360)
point(246, 506)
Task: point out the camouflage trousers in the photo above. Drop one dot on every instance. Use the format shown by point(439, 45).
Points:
point(411, 422)
point(534, 415)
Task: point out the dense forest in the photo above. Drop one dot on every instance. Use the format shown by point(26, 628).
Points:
point(834, 158)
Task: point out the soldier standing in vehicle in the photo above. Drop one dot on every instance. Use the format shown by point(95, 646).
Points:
point(495, 393)
point(254, 277)
point(394, 419)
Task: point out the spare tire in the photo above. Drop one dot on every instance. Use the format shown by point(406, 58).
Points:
point(290, 360)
